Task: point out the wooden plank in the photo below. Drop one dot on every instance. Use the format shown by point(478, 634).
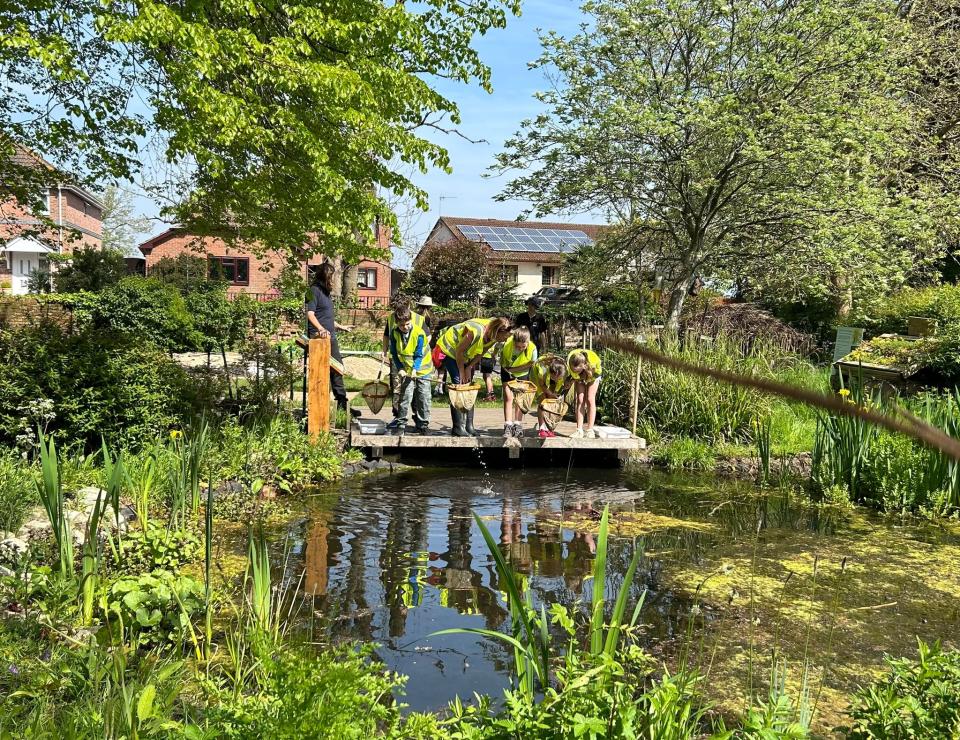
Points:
point(490, 441)
point(318, 387)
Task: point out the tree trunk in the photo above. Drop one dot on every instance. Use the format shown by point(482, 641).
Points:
point(349, 293)
point(337, 275)
point(675, 307)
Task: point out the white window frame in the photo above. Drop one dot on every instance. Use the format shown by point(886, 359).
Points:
point(364, 281)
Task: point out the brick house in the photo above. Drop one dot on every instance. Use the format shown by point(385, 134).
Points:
point(26, 241)
point(246, 272)
point(527, 253)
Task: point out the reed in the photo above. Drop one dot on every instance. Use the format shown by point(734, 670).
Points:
point(530, 638)
point(90, 563)
point(208, 568)
point(50, 490)
point(271, 607)
point(258, 570)
point(190, 448)
point(115, 480)
point(762, 429)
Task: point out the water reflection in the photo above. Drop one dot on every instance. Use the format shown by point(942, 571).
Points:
point(396, 559)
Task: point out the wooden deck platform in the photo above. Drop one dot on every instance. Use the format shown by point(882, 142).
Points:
point(489, 425)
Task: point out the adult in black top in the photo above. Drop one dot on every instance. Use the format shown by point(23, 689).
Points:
point(535, 321)
point(321, 323)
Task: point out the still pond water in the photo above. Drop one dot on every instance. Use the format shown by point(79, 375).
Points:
point(734, 574)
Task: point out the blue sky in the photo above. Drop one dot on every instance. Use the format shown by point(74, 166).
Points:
point(493, 117)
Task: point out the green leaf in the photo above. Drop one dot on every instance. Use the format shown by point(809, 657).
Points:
point(145, 702)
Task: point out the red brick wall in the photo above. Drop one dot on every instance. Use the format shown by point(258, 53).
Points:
point(15, 219)
point(263, 270)
point(87, 218)
point(370, 297)
point(17, 312)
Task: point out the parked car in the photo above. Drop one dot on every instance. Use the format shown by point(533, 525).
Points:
point(558, 294)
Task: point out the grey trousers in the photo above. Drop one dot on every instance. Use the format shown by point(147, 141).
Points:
point(417, 391)
point(395, 390)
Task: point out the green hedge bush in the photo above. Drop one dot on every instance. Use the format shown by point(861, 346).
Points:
point(940, 302)
point(149, 310)
point(100, 383)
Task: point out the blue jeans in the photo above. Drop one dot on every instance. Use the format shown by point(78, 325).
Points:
point(453, 372)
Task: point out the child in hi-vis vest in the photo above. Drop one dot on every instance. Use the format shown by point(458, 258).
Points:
point(516, 358)
point(410, 354)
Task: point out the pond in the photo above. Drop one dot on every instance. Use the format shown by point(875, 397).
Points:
point(738, 579)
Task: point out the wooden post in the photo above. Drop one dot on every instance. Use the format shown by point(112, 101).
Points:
point(318, 387)
point(635, 397)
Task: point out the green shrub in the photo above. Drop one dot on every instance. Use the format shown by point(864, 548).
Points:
point(941, 302)
point(18, 493)
point(91, 270)
point(100, 384)
point(217, 321)
point(152, 607)
point(186, 272)
point(149, 310)
point(334, 693)
point(917, 699)
point(275, 451)
point(361, 340)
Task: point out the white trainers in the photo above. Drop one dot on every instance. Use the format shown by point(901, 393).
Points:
point(577, 434)
point(590, 433)
point(518, 430)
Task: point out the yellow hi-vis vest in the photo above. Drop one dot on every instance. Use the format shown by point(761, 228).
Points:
point(540, 377)
point(451, 336)
point(509, 357)
point(593, 359)
point(404, 353)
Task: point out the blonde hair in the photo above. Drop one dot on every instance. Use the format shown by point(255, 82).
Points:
point(578, 360)
point(498, 326)
point(555, 366)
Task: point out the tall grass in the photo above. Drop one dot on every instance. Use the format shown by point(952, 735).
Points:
point(90, 564)
point(271, 607)
point(675, 404)
point(50, 489)
point(190, 448)
point(886, 469)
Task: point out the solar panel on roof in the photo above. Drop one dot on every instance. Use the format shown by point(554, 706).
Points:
point(527, 239)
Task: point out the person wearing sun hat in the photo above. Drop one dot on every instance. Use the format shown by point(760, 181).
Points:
point(425, 309)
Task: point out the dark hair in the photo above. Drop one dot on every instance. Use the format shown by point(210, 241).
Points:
point(323, 277)
point(556, 366)
point(402, 313)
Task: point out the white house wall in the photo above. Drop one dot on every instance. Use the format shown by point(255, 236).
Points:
point(529, 278)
